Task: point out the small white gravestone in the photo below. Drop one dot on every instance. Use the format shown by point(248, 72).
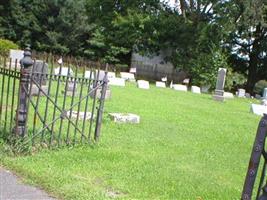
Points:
point(100, 74)
point(127, 76)
point(88, 73)
point(160, 84)
point(133, 70)
point(241, 93)
point(143, 84)
point(16, 55)
point(64, 71)
point(111, 75)
point(125, 118)
point(195, 89)
point(186, 81)
point(258, 109)
point(164, 79)
point(180, 87)
point(117, 82)
point(228, 95)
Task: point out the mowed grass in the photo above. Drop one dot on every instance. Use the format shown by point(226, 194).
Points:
point(187, 146)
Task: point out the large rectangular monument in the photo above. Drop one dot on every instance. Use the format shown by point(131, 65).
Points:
point(219, 91)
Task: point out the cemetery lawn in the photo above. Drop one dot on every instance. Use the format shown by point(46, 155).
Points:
point(187, 146)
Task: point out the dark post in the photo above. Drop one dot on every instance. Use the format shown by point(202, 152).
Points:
point(25, 71)
point(101, 106)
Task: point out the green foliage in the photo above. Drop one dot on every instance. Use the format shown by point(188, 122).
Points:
point(6, 45)
point(259, 86)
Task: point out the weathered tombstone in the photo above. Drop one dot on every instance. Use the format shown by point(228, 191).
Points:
point(241, 93)
point(39, 76)
point(258, 109)
point(264, 102)
point(71, 89)
point(228, 95)
point(264, 96)
point(205, 88)
point(40, 71)
point(180, 87)
point(116, 82)
point(195, 89)
point(125, 118)
point(15, 55)
point(143, 84)
point(127, 76)
point(160, 84)
point(247, 95)
point(218, 96)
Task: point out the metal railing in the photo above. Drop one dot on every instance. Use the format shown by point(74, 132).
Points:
point(51, 106)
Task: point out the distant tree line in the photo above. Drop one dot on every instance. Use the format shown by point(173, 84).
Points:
point(202, 35)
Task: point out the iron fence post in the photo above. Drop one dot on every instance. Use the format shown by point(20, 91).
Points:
point(26, 63)
point(101, 106)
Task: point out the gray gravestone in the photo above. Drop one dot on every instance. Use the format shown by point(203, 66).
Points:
point(219, 91)
point(40, 70)
point(264, 96)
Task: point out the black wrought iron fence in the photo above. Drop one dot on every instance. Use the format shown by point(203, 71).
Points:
point(51, 104)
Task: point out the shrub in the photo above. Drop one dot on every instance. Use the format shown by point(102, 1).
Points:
point(259, 86)
point(5, 46)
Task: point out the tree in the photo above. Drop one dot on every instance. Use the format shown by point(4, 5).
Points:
point(248, 39)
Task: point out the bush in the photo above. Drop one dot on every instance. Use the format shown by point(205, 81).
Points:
point(5, 46)
point(259, 86)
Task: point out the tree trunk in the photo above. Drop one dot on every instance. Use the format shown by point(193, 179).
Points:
point(253, 76)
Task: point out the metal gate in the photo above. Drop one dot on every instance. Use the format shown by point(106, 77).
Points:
point(51, 105)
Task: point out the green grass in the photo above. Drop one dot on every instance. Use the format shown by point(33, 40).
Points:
point(187, 146)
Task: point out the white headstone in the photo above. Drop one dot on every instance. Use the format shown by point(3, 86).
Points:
point(180, 87)
point(143, 84)
point(16, 55)
point(116, 81)
point(133, 70)
point(186, 81)
point(258, 109)
point(228, 95)
point(257, 96)
point(125, 118)
point(160, 84)
point(164, 79)
point(195, 89)
point(64, 71)
point(87, 74)
point(241, 93)
point(127, 76)
point(101, 74)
